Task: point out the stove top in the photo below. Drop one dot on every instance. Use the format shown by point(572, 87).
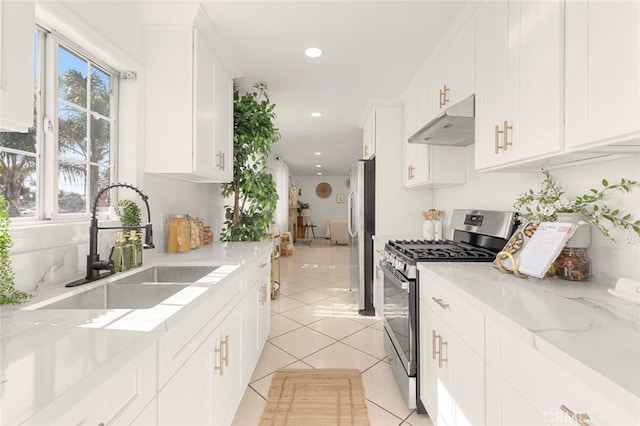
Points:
point(439, 251)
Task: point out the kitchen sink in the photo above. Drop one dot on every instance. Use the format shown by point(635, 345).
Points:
point(166, 274)
point(141, 290)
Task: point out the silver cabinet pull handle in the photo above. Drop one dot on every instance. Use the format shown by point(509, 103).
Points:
point(221, 367)
point(506, 135)
point(441, 360)
point(582, 419)
point(441, 303)
point(434, 336)
point(226, 351)
point(498, 131)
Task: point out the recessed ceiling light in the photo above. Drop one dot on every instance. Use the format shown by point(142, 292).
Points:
point(319, 173)
point(316, 114)
point(317, 153)
point(313, 52)
point(318, 165)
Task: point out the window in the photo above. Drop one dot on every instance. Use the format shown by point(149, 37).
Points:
point(56, 169)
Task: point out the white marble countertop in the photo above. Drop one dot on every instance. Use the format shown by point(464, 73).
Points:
point(46, 352)
point(564, 321)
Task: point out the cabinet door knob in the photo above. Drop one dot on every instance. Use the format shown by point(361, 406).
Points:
point(582, 419)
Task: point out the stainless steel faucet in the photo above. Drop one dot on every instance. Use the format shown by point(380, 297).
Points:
point(94, 264)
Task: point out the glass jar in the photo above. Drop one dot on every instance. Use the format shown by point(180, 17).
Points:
point(207, 235)
point(194, 229)
point(178, 234)
point(573, 264)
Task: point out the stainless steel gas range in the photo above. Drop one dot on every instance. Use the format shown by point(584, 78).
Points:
point(478, 235)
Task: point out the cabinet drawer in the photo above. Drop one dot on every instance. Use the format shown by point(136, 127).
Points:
point(255, 270)
point(118, 400)
point(464, 319)
point(175, 346)
point(549, 387)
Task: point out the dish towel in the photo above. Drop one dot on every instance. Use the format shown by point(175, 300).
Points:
point(627, 289)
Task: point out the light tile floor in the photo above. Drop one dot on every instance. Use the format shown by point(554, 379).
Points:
point(315, 324)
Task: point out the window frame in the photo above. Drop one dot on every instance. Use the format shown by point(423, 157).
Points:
point(50, 120)
point(46, 152)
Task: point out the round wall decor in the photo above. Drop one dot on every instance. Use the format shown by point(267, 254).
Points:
point(323, 190)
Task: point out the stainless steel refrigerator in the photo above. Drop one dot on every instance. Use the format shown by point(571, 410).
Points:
point(361, 224)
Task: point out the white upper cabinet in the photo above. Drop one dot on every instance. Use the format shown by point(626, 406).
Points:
point(449, 80)
point(17, 27)
point(602, 73)
point(189, 98)
point(519, 56)
point(453, 73)
point(416, 156)
point(369, 135)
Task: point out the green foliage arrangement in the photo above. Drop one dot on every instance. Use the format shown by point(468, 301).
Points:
point(302, 205)
point(253, 188)
point(8, 293)
point(545, 204)
point(128, 212)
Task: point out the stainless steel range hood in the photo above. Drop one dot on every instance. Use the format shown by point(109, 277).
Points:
point(455, 126)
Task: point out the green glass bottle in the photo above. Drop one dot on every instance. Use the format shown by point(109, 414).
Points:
point(128, 250)
point(136, 257)
point(117, 254)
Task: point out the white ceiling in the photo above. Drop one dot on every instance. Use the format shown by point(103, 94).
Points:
point(371, 49)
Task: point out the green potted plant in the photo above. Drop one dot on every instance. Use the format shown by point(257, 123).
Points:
point(302, 206)
point(128, 212)
point(9, 295)
point(253, 189)
point(550, 203)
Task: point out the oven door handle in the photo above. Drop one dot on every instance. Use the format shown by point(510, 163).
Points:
point(392, 276)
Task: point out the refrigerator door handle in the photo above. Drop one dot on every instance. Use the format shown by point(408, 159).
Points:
point(350, 217)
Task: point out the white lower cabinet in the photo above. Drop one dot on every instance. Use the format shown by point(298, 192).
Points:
point(119, 399)
point(209, 386)
point(148, 416)
point(558, 395)
point(505, 406)
point(257, 313)
point(452, 374)
point(477, 369)
point(187, 398)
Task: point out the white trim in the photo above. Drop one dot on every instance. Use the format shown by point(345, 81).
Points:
point(47, 235)
point(54, 15)
point(2, 40)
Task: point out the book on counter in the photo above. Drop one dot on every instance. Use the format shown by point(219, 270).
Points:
point(535, 246)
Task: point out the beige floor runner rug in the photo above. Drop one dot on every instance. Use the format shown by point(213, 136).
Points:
point(316, 397)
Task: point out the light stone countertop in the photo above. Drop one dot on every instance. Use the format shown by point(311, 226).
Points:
point(577, 325)
point(46, 352)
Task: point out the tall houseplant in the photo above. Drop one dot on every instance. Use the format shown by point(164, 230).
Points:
point(253, 189)
point(9, 295)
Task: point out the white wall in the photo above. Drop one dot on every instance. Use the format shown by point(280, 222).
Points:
point(498, 191)
point(280, 172)
point(324, 209)
point(170, 196)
